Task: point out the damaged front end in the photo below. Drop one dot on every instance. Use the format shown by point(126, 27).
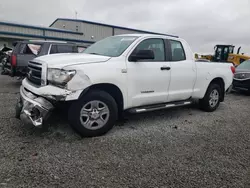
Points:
point(32, 109)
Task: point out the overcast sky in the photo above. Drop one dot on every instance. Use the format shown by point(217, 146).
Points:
point(203, 23)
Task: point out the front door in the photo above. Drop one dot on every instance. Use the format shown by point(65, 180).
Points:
point(148, 80)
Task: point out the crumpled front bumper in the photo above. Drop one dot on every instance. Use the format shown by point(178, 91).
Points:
point(32, 109)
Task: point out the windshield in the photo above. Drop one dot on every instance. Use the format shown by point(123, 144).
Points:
point(244, 65)
point(112, 46)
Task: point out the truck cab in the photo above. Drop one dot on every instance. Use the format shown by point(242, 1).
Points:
point(222, 52)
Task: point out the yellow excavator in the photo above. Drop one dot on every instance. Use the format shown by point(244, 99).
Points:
point(225, 53)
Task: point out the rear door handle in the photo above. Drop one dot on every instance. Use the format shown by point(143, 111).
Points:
point(165, 68)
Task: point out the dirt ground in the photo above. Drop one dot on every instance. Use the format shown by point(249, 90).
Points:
point(182, 147)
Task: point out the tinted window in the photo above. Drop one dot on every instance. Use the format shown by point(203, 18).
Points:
point(53, 49)
point(244, 65)
point(231, 49)
point(112, 46)
point(178, 53)
point(64, 49)
point(156, 45)
point(32, 49)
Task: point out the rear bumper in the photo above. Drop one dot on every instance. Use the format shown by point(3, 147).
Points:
point(32, 109)
point(15, 71)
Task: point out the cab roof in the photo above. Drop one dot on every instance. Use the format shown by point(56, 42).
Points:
point(149, 35)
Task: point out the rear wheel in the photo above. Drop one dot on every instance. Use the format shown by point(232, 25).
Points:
point(94, 114)
point(211, 100)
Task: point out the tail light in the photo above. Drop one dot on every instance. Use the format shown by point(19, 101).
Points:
point(13, 60)
point(233, 69)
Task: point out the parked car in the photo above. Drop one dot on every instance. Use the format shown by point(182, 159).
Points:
point(135, 73)
point(24, 51)
point(241, 81)
point(5, 53)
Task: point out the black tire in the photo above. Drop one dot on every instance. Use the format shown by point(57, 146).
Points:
point(205, 104)
point(75, 109)
point(248, 92)
point(18, 109)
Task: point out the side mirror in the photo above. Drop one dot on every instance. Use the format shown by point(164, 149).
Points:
point(142, 55)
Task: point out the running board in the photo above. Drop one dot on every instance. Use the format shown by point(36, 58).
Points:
point(159, 107)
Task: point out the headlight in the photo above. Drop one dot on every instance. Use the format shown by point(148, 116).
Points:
point(60, 77)
point(230, 57)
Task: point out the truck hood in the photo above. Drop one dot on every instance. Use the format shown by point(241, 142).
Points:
point(68, 59)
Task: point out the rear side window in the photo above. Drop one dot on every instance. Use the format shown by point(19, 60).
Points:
point(62, 49)
point(53, 49)
point(31, 49)
point(178, 53)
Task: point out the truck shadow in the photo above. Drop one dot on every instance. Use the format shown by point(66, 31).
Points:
point(59, 127)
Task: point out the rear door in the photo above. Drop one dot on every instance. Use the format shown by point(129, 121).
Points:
point(27, 52)
point(183, 73)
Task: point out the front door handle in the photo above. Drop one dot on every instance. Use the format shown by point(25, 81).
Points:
point(165, 68)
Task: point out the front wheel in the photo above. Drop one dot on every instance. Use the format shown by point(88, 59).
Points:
point(94, 114)
point(211, 100)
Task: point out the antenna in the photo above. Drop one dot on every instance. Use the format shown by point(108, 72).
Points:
point(76, 14)
point(77, 27)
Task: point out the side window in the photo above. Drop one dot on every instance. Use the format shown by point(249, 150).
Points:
point(80, 49)
point(226, 50)
point(75, 49)
point(231, 49)
point(53, 49)
point(156, 45)
point(178, 53)
point(64, 48)
point(32, 49)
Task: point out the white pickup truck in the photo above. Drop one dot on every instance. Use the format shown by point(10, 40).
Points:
point(134, 73)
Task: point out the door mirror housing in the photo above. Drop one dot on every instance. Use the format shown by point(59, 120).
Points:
point(142, 55)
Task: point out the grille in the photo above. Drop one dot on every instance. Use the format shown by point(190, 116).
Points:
point(34, 72)
point(242, 76)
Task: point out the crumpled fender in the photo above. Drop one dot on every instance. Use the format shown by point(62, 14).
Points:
point(78, 83)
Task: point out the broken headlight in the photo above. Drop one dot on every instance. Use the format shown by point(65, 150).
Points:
point(59, 76)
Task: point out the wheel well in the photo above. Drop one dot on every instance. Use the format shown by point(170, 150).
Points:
point(221, 83)
point(113, 90)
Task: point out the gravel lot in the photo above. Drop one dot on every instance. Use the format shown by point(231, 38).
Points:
point(181, 147)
